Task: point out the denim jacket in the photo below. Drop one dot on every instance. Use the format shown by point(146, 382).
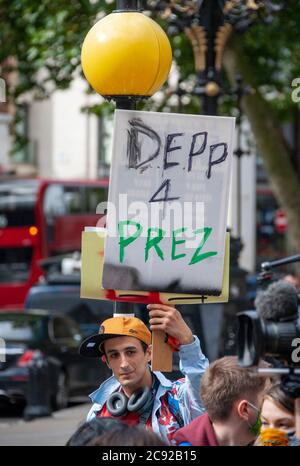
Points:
point(184, 394)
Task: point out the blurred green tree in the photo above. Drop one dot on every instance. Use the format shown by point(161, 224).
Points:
point(41, 40)
point(268, 57)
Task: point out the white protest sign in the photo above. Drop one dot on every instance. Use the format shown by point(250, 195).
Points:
point(168, 202)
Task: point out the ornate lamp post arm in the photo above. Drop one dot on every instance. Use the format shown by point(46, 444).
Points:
point(208, 24)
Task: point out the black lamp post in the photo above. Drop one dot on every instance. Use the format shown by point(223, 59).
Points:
point(208, 83)
point(123, 6)
point(127, 5)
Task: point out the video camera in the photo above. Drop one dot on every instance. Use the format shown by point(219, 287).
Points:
point(274, 329)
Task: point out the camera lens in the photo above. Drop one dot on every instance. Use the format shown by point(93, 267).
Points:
point(279, 337)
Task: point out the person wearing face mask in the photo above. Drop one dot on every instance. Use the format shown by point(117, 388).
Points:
point(278, 412)
point(232, 397)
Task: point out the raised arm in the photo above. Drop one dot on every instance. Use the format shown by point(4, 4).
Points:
point(193, 362)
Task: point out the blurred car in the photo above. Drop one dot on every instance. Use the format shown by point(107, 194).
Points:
point(56, 337)
point(63, 296)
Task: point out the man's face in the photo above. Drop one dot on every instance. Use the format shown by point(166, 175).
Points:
point(128, 361)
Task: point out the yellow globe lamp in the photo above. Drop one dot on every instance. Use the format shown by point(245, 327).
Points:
point(126, 54)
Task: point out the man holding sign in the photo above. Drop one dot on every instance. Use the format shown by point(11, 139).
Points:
point(135, 394)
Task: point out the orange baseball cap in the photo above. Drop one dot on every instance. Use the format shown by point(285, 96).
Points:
point(114, 327)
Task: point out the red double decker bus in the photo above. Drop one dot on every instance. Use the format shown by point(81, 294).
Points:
point(41, 218)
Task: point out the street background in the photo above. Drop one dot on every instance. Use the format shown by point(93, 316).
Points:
point(54, 430)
